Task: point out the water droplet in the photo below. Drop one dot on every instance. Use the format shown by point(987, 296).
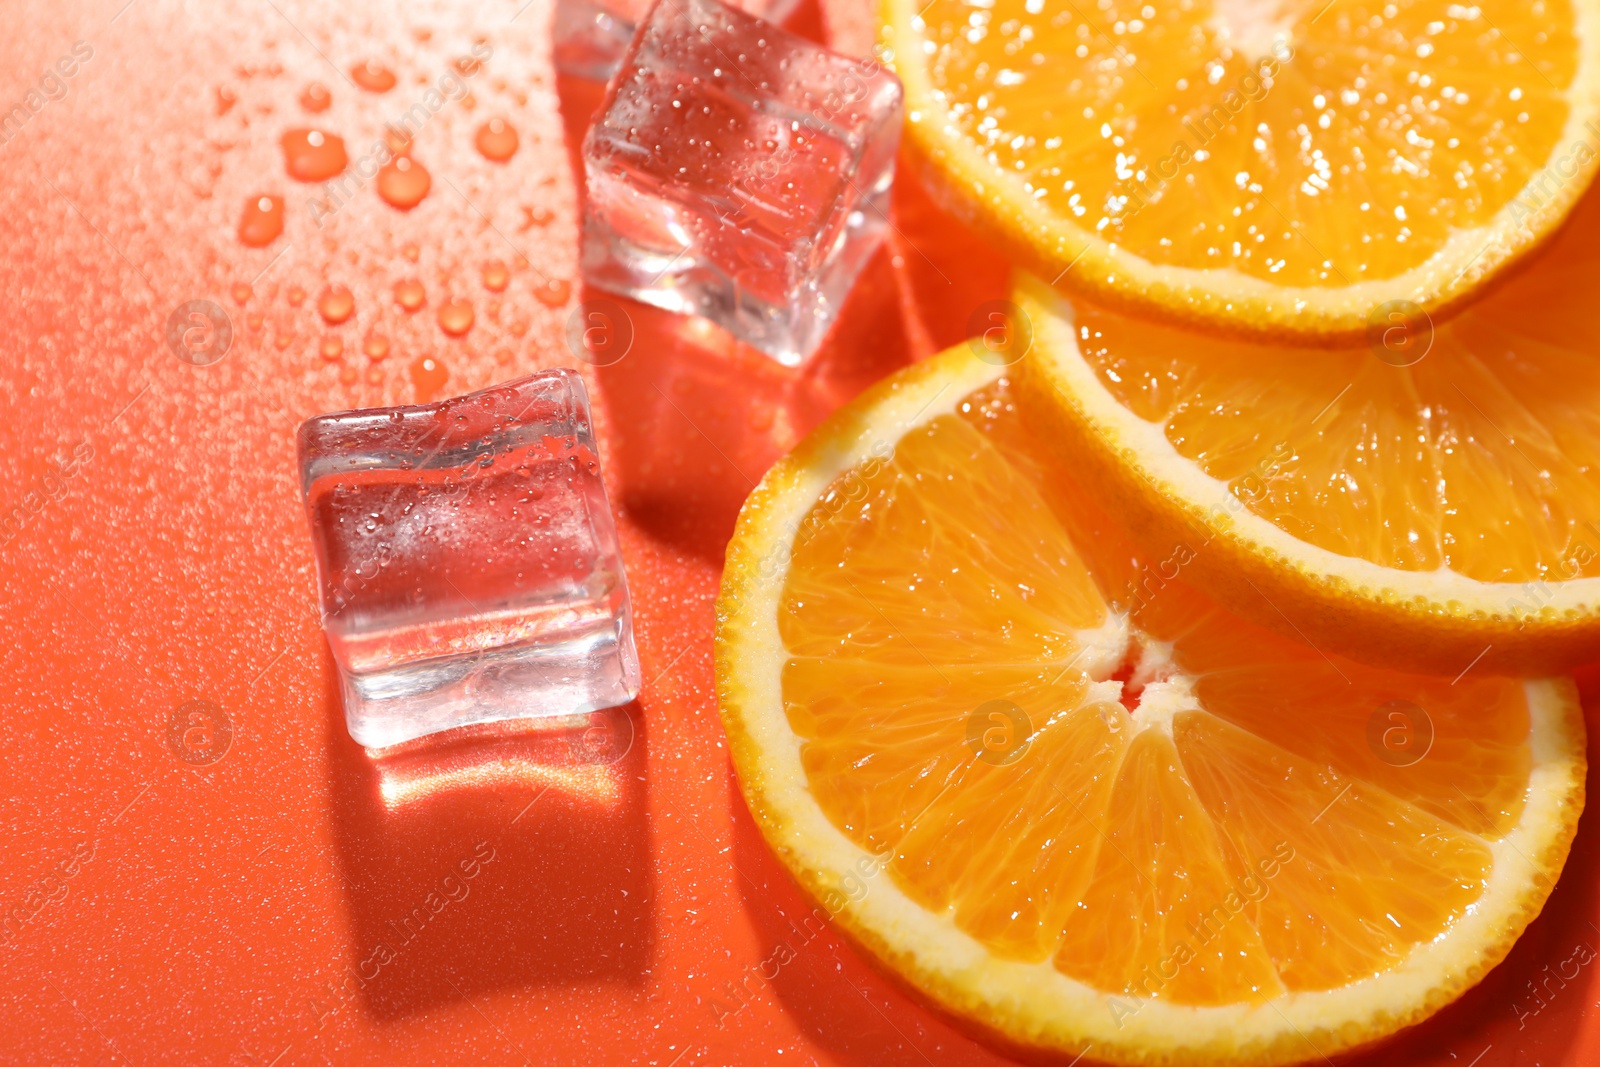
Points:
point(409, 294)
point(376, 346)
point(297, 296)
point(497, 140)
point(313, 155)
point(403, 182)
point(503, 356)
point(315, 98)
point(495, 275)
point(535, 216)
point(466, 66)
point(283, 339)
point(226, 98)
point(429, 376)
point(455, 317)
point(373, 76)
point(262, 221)
point(518, 327)
point(331, 348)
point(254, 321)
point(375, 375)
point(553, 293)
point(411, 251)
point(241, 292)
point(336, 303)
point(398, 140)
point(348, 374)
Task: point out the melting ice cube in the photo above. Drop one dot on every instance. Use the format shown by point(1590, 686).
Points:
point(739, 172)
point(468, 561)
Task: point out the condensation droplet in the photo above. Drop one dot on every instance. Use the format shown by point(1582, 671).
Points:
point(553, 293)
point(242, 292)
point(331, 348)
point(336, 304)
point(297, 296)
point(398, 140)
point(496, 275)
point(373, 76)
point(313, 155)
point(376, 346)
point(429, 375)
point(409, 294)
point(497, 140)
point(403, 182)
point(455, 317)
point(262, 221)
point(316, 98)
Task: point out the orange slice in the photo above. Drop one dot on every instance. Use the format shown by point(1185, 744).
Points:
point(1277, 169)
point(1154, 835)
point(1430, 500)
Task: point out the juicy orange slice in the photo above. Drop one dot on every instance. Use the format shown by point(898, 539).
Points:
point(1156, 833)
point(1275, 169)
point(1428, 500)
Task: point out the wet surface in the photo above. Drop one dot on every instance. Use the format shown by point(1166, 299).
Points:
point(281, 898)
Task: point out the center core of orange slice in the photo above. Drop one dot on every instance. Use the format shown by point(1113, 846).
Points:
point(1253, 29)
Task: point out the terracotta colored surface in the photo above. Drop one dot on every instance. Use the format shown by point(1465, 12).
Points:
point(505, 900)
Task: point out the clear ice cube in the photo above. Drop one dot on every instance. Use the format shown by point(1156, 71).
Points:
point(467, 560)
point(739, 172)
point(592, 35)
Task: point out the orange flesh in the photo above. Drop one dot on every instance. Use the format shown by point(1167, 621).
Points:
point(1480, 457)
point(1234, 835)
point(1305, 143)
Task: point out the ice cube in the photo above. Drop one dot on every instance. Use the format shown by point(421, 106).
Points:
point(739, 172)
point(467, 560)
point(592, 35)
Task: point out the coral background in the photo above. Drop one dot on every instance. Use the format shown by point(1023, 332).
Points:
point(231, 912)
